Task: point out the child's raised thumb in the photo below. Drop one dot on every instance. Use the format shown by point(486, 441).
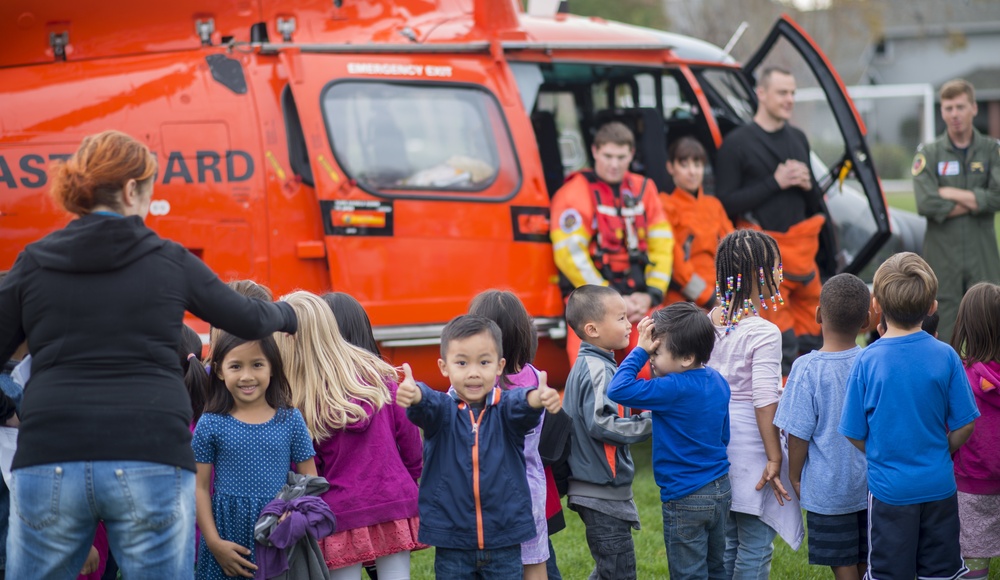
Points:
point(543, 379)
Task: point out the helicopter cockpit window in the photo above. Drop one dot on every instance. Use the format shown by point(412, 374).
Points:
point(731, 99)
point(399, 136)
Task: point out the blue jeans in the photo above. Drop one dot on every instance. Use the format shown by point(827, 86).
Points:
point(4, 517)
point(147, 508)
point(551, 566)
point(694, 531)
point(748, 547)
point(495, 564)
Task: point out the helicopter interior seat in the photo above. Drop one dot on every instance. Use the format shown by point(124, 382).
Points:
point(547, 136)
point(650, 133)
point(683, 124)
point(387, 161)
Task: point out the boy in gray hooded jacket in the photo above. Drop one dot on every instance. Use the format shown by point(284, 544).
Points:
point(600, 487)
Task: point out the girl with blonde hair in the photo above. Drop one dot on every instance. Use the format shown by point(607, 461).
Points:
point(365, 447)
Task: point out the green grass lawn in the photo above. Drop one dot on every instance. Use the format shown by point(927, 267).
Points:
point(574, 558)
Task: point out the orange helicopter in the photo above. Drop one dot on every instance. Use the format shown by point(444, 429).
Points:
point(402, 151)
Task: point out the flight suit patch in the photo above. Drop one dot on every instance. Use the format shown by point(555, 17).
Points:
point(949, 168)
point(919, 162)
point(570, 220)
point(977, 167)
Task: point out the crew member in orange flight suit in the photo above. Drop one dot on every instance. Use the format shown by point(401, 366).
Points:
point(609, 228)
point(699, 222)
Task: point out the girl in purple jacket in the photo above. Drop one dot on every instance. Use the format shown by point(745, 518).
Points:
point(977, 463)
point(365, 447)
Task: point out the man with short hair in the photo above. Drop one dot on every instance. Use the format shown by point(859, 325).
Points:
point(956, 180)
point(764, 181)
point(609, 228)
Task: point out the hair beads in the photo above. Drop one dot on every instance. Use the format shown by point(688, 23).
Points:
point(763, 303)
point(777, 290)
point(751, 254)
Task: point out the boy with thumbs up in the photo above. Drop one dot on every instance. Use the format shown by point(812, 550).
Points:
point(475, 507)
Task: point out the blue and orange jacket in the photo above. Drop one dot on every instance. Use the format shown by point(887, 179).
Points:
point(474, 490)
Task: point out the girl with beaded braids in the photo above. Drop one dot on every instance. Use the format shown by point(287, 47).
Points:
point(748, 355)
point(742, 257)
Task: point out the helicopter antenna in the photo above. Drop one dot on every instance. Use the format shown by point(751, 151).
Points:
point(735, 38)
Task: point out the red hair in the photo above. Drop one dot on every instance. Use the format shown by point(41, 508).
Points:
point(96, 174)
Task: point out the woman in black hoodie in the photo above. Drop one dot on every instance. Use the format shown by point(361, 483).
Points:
point(105, 417)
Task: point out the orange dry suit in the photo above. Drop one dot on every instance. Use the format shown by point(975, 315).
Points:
point(621, 239)
point(699, 223)
point(617, 237)
point(801, 284)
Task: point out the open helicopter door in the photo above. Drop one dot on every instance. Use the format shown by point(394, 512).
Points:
point(842, 163)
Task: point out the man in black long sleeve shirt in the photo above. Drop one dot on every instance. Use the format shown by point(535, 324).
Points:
point(763, 179)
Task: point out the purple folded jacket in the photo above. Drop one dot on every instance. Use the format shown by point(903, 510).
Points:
point(307, 516)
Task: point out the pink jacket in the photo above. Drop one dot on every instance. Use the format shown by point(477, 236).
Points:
point(373, 467)
point(977, 463)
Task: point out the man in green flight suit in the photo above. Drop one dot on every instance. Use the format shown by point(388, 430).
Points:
point(956, 180)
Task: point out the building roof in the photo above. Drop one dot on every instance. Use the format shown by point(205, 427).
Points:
point(909, 18)
point(906, 31)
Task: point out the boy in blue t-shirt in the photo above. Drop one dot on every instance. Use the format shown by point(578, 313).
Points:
point(826, 471)
point(909, 406)
point(690, 407)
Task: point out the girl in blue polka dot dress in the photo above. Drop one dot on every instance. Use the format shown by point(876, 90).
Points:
point(251, 436)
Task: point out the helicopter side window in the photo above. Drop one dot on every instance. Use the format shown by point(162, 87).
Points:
point(298, 155)
point(556, 120)
point(732, 103)
point(393, 136)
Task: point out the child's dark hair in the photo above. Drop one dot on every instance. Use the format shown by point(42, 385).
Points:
point(353, 321)
point(220, 401)
point(195, 377)
point(686, 148)
point(976, 337)
point(519, 338)
point(844, 303)
point(746, 258)
point(586, 304)
point(468, 325)
point(685, 331)
point(930, 323)
point(247, 288)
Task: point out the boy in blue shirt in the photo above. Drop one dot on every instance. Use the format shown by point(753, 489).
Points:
point(826, 471)
point(475, 506)
point(909, 406)
point(690, 407)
